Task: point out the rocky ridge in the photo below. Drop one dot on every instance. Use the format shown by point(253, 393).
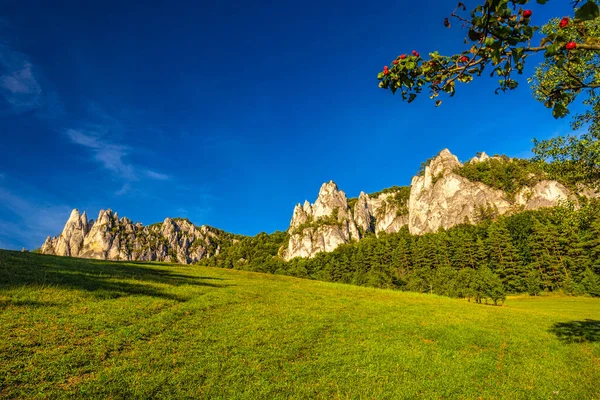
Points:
point(114, 238)
point(438, 197)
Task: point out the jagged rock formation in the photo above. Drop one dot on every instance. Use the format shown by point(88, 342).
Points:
point(114, 238)
point(438, 198)
point(442, 198)
point(330, 222)
point(385, 212)
point(321, 226)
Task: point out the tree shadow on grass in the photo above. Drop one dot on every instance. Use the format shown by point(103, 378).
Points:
point(102, 279)
point(25, 303)
point(587, 330)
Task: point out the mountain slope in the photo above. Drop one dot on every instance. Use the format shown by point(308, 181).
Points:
point(73, 328)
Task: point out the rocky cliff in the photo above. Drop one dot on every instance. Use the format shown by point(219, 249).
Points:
point(114, 238)
point(332, 220)
point(437, 198)
point(440, 196)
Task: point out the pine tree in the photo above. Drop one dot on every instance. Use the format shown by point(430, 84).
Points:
point(591, 283)
point(503, 257)
point(481, 255)
point(590, 244)
point(546, 260)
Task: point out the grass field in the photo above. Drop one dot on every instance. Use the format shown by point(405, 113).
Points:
point(89, 329)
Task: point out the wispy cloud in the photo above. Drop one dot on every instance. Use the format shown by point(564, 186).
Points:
point(114, 158)
point(22, 87)
point(18, 83)
point(110, 155)
point(156, 175)
point(124, 189)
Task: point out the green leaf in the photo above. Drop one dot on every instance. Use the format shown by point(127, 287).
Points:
point(559, 111)
point(473, 36)
point(587, 12)
point(542, 1)
point(552, 50)
point(517, 53)
point(437, 103)
point(412, 97)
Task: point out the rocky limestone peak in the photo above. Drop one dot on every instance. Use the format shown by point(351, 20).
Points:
point(481, 158)
point(307, 207)
point(112, 238)
point(319, 233)
point(363, 213)
point(169, 228)
point(330, 198)
point(105, 217)
point(442, 164)
point(185, 225)
point(70, 241)
point(300, 216)
point(75, 216)
point(440, 198)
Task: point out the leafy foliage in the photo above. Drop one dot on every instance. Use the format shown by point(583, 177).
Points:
point(253, 253)
point(500, 33)
point(330, 220)
point(571, 159)
point(503, 173)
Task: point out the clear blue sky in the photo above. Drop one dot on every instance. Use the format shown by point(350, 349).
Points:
point(228, 113)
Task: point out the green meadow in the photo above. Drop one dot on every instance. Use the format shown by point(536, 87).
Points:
point(73, 328)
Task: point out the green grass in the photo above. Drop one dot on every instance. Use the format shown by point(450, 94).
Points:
point(90, 329)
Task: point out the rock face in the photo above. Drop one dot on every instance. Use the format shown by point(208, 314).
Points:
point(114, 238)
point(321, 226)
point(72, 238)
point(543, 194)
point(441, 198)
point(330, 222)
point(438, 198)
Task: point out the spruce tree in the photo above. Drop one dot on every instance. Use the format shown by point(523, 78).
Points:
point(503, 257)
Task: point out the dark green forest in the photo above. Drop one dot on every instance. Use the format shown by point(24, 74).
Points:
point(548, 250)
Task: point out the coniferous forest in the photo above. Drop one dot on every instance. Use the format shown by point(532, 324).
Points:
point(548, 250)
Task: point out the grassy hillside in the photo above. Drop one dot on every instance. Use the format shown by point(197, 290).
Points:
point(80, 328)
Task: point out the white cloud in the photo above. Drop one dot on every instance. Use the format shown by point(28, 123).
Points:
point(110, 155)
point(126, 187)
point(113, 157)
point(157, 175)
point(18, 83)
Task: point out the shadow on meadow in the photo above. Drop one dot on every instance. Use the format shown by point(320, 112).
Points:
point(577, 331)
point(102, 279)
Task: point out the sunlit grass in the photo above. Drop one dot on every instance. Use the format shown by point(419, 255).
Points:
point(81, 328)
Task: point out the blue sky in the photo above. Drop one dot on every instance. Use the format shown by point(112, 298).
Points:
point(227, 113)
